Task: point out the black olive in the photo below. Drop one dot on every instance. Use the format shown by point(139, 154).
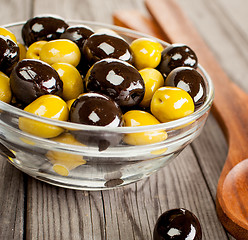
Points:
point(177, 55)
point(43, 28)
point(177, 224)
point(97, 110)
point(31, 79)
point(117, 79)
point(189, 80)
point(9, 54)
point(102, 45)
point(78, 34)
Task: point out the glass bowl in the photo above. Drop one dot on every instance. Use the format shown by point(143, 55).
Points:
point(73, 165)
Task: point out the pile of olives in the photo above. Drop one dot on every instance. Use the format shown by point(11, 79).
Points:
point(95, 77)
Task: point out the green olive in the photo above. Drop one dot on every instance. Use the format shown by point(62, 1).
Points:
point(50, 106)
point(70, 102)
point(7, 33)
point(171, 103)
point(64, 162)
point(147, 53)
point(34, 50)
point(135, 118)
point(153, 80)
point(22, 51)
point(5, 90)
point(72, 80)
point(60, 50)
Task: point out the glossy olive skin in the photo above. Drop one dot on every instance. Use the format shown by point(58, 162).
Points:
point(189, 80)
point(49, 106)
point(135, 118)
point(97, 110)
point(43, 28)
point(34, 50)
point(147, 53)
point(117, 79)
point(5, 91)
point(177, 224)
point(71, 78)
point(177, 55)
point(60, 50)
point(171, 103)
point(32, 78)
point(9, 54)
point(102, 45)
point(153, 80)
point(78, 34)
point(7, 33)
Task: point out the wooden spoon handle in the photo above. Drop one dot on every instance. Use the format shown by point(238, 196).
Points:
point(230, 105)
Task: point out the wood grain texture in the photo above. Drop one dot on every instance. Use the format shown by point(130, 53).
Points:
point(129, 212)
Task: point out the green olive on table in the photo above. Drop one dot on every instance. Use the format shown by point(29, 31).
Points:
point(60, 50)
point(71, 78)
point(171, 103)
point(34, 50)
point(135, 118)
point(5, 90)
point(153, 80)
point(147, 53)
point(49, 106)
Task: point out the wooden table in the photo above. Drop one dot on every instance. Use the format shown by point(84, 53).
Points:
point(30, 209)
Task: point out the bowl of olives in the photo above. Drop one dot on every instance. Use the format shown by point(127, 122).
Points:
point(92, 106)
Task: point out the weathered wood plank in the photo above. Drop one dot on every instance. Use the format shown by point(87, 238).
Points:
point(12, 188)
point(133, 210)
point(57, 213)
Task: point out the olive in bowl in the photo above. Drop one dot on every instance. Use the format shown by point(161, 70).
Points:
point(9, 54)
point(43, 27)
point(103, 45)
point(190, 80)
point(117, 79)
point(177, 55)
point(32, 78)
point(96, 109)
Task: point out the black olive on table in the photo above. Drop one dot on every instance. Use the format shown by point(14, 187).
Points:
point(177, 224)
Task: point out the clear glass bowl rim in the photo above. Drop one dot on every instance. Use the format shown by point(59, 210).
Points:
point(69, 125)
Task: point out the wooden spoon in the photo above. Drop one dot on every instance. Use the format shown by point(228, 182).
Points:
point(230, 107)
